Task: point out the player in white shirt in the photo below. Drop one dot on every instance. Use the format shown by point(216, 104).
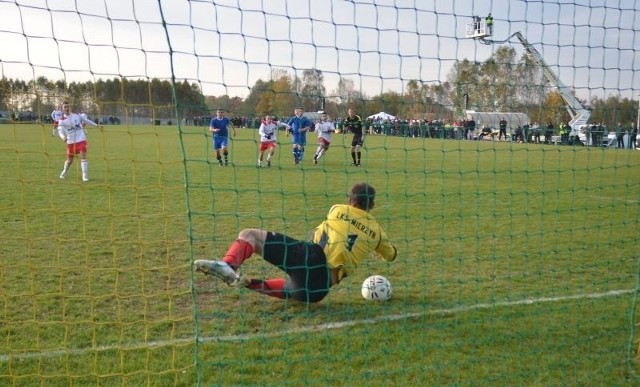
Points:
point(268, 135)
point(56, 115)
point(324, 128)
point(71, 130)
point(83, 115)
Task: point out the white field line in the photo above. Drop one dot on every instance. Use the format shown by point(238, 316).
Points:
point(310, 329)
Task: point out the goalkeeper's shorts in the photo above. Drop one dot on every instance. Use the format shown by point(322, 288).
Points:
point(305, 263)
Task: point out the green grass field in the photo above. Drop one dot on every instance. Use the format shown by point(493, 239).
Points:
point(517, 263)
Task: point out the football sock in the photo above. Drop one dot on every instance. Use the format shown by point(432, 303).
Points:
point(270, 287)
point(84, 166)
point(238, 252)
point(359, 154)
point(353, 156)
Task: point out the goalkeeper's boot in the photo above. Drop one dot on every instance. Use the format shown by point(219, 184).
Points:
point(221, 270)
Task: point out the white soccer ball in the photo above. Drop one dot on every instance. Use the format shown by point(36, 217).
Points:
point(376, 288)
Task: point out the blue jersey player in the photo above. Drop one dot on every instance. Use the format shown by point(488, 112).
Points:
point(219, 127)
point(299, 127)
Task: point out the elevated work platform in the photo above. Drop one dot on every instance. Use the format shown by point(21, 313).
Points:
point(478, 30)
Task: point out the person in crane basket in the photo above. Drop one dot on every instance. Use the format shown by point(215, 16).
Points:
point(489, 23)
point(476, 24)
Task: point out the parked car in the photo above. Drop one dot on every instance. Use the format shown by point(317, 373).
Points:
point(4, 117)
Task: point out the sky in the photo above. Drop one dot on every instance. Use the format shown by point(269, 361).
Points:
point(226, 45)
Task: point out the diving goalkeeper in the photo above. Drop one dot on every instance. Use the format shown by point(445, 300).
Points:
point(341, 242)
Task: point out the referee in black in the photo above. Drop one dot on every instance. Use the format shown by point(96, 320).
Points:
point(354, 123)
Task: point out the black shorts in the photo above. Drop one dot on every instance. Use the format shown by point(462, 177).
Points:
point(305, 263)
point(357, 140)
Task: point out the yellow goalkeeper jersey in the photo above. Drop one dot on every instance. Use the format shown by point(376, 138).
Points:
point(348, 236)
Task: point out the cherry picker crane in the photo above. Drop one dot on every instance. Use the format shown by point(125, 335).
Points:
point(579, 114)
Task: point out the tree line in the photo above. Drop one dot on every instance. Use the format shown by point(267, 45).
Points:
point(503, 83)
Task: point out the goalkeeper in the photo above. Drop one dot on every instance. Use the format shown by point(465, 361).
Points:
point(341, 242)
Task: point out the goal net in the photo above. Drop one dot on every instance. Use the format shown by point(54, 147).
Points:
point(516, 229)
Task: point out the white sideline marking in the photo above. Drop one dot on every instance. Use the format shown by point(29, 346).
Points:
point(315, 328)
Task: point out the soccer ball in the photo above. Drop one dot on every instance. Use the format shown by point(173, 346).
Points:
point(376, 288)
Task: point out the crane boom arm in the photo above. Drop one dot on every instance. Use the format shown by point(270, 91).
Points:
point(579, 115)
